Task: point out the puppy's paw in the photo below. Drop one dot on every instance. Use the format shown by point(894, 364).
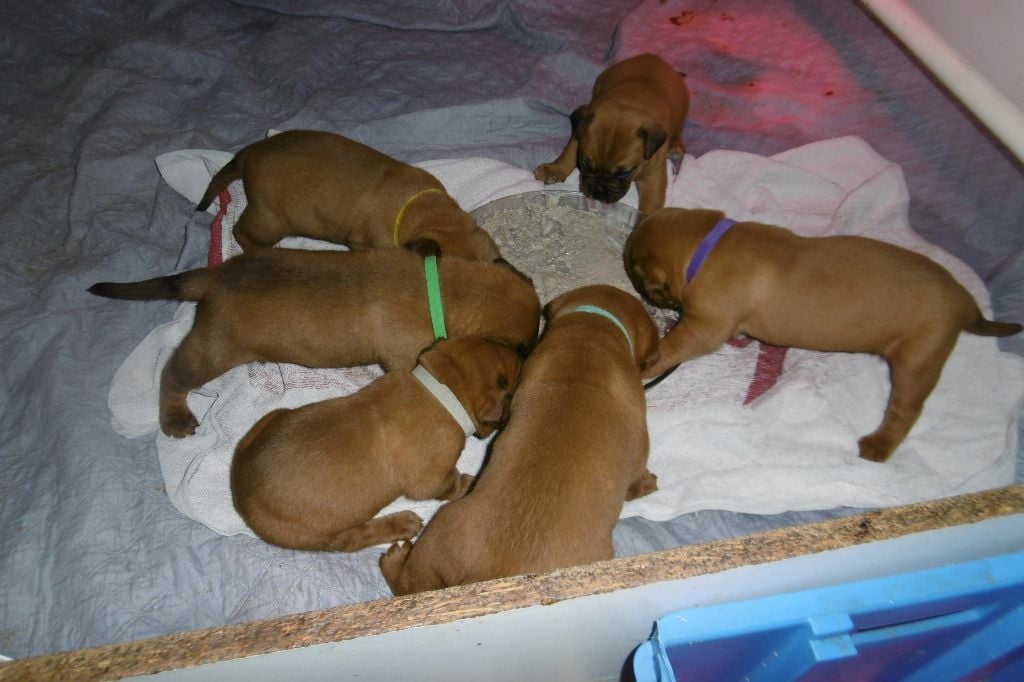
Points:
point(645, 485)
point(459, 489)
point(406, 525)
point(392, 559)
point(179, 425)
point(875, 448)
point(549, 174)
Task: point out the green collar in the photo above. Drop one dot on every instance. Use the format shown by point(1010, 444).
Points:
point(434, 298)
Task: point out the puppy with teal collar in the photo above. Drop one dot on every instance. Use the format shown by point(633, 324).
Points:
point(574, 450)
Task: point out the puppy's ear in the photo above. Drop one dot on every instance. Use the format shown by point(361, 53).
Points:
point(423, 247)
point(494, 412)
point(552, 307)
point(580, 118)
point(653, 137)
point(505, 264)
point(651, 281)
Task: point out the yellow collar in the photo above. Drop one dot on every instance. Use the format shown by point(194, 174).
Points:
point(408, 202)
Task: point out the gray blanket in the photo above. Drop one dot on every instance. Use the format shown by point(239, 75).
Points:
point(91, 551)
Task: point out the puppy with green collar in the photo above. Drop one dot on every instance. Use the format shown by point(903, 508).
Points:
point(328, 309)
point(314, 478)
point(574, 450)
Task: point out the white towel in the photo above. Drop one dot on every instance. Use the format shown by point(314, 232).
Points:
point(794, 447)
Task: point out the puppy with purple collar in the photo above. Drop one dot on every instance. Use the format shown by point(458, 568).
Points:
point(314, 477)
point(840, 294)
point(574, 449)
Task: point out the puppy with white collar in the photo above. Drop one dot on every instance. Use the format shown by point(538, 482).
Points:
point(575, 448)
point(314, 477)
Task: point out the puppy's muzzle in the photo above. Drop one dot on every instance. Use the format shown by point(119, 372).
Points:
point(606, 187)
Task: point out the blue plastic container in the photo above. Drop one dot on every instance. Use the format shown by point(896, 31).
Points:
point(959, 622)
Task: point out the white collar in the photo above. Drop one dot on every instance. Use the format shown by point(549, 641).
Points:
point(445, 396)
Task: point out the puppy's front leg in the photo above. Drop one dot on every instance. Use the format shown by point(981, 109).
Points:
point(652, 183)
point(460, 485)
point(453, 486)
point(689, 339)
point(402, 525)
point(559, 169)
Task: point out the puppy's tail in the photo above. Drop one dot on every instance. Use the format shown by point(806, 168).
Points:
point(185, 286)
point(231, 171)
point(983, 327)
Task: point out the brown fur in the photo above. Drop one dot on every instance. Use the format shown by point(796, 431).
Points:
point(314, 478)
point(325, 186)
point(326, 309)
point(574, 449)
point(845, 294)
point(631, 126)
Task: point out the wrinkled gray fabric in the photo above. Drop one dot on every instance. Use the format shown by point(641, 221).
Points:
point(91, 550)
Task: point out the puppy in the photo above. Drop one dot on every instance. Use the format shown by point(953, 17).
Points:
point(326, 309)
point(840, 294)
point(574, 449)
point(633, 123)
point(314, 477)
point(325, 186)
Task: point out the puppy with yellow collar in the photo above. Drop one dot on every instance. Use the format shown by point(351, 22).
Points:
point(325, 186)
point(631, 126)
point(314, 478)
point(841, 294)
point(574, 449)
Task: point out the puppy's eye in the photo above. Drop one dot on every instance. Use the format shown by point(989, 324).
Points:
point(586, 164)
point(624, 175)
point(502, 382)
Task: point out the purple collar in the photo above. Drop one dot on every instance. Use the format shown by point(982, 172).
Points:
point(705, 247)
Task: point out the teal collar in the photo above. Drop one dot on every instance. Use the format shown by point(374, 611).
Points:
point(434, 298)
point(593, 309)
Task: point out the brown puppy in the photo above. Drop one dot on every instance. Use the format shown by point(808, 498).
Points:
point(325, 309)
point(574, 449)
point(633, 123)
point(325, 186)
point(841, 294)
point(314, 477)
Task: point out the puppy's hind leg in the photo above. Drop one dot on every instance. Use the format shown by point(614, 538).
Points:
point(253, 229)
point(196, 361)
point(381, 530)
point(645, 485)
point(915, 368)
